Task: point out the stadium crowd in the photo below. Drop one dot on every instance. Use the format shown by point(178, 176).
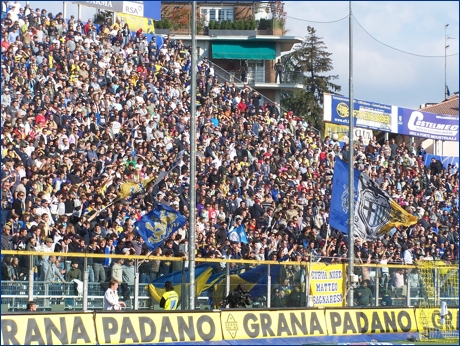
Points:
point(85, 108)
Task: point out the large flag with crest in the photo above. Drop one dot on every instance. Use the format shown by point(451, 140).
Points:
point(375, 211)
point(131, 188)
point(156, 226)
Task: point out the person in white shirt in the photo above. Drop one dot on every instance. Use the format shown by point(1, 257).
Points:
point(44, 209)
point(15, 7)
point(407, 256)
point(111, 301)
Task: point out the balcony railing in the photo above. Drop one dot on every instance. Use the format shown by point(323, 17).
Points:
point(260, 76)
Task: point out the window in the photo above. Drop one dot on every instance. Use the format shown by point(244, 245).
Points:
point(256, 71)
point(217, 14)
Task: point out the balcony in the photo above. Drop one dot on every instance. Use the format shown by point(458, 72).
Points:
point(224, 28)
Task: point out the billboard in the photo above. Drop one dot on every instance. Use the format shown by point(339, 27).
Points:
point(342, 132)
point(148, 9)
point(147, 24)
point(367, 115)
point(428, 125)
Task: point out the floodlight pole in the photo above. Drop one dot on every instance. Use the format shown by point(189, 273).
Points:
point(351, 190)
point(191, 266)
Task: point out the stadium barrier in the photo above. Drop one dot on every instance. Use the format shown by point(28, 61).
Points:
point(121, 327)
point(323, 284)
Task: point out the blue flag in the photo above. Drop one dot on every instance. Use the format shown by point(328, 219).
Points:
point(238, 234)
point(156, 226)
point(338, 217)
point(376, 213)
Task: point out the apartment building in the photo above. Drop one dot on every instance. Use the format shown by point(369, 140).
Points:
point(233, 33)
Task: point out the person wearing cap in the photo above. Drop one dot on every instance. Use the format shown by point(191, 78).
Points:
point(74, 273)
point(6, 97)
point(170, 299)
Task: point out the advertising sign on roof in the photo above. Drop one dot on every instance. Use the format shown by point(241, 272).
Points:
point(148, 9)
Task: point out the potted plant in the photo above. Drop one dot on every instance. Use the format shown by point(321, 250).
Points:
point(162, 27)
point(235, 28)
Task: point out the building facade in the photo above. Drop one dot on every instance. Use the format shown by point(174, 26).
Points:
point(235, 36)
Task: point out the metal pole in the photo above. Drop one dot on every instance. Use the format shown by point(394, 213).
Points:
point(269, 287)
point(136, 284)
point(30, 294)
point(64, 9)
point(437, 292)
point(79, 12)
point(192, 208)
point(377, 286)
point(85, 284)
point(307, 287)
point(46, 302)
point(183, 287)
point(227, 278)
point(408, 291)
point(310, 302)
point(351, 189)
point(445, 61)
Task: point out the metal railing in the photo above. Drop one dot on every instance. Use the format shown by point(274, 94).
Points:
point(259, 76)
point(264, 292)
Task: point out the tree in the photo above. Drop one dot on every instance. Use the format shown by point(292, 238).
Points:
point(310, 62)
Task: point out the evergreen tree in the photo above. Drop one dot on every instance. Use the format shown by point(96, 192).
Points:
point(309, 63)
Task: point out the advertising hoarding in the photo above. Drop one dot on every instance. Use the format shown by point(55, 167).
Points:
point(342, 132)
point(148, 9)
point(428, 125)
point(367, 115)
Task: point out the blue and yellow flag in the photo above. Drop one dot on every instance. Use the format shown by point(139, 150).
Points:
point(376, 212)
point(255, 280)
point(156, 226)
point(129, 188)
point(202, 274)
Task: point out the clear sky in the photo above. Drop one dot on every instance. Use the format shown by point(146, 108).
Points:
point(382, 74)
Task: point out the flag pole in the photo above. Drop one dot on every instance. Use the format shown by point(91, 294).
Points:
point(192, 208)
point(351, 190)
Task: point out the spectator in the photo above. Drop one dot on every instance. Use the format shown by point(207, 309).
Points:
point(278, 299)
point(77, 123)
point(111, 301)
point(364, 295)
point(170, 299)
point(279, 71)
point(31, 306)
point(297, 298)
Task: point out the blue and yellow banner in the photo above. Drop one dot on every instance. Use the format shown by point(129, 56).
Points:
point(376, 212)
point(202, 274)
point(156, 226)
point(130, 188)
point(255, 280)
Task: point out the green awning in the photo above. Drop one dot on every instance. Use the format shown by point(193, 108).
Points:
point(248, 50)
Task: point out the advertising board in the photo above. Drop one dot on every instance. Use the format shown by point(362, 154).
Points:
point(366, 114)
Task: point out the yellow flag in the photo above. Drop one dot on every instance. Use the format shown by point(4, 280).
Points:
point(398, 217)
